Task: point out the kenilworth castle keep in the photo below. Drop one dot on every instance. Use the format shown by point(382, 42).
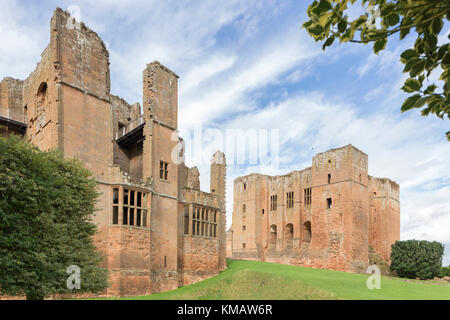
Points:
point(156, 229)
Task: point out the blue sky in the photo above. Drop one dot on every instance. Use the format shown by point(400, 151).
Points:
point(248, 64)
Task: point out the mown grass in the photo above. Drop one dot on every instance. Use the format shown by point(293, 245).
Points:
point(261, 280)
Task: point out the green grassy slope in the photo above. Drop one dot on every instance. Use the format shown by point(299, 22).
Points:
point(261, 280)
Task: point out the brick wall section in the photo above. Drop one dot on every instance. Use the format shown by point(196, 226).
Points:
point(341, 234)
point(11, 99)
point(384, 215)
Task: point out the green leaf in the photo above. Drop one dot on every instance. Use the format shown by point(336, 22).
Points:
point(430, 89)
point(404, 33)
point(392, 19)
point(316, 30)
point(437, 25)
point(412, 85)
point(328, 43)
point(410, 102)
point(417, 68)
point(342, 25)
point(408, 54)
point(379, 45)
point(322, 6)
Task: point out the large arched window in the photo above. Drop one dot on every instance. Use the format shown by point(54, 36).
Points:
point(307, 231)
point(273, 234)
point(289, 232)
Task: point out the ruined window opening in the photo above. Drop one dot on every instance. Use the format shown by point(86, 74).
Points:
point(134, 207)
point(115, 217)
point(273, 203)
point(131, 216)
point(263, 211)
point(165, 261)
point(243, 228)
point(245, 186)
point(273, 234)
point(243, 246)
point(139, 147)
point(329, 161)
point(329, 178)
point(163, 170)
point(307, 194)
point(290, 199)
point(307, 231)
point(360, 178)
point(186, 219)
point(138, 217)
point(243, 208)
point(125, 216)
point(329, 203)
point(289, 232)
point(204, 222)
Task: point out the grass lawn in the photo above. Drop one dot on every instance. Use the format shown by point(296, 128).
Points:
point(261, 280)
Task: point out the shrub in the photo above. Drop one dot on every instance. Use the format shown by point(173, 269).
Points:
point(445, 272)
point(417, 259)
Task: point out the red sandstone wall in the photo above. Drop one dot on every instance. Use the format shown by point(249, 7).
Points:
point(384, 215)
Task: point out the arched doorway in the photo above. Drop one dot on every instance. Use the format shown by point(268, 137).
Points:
point(289, 233)
point(307, 231)
point(273, 234)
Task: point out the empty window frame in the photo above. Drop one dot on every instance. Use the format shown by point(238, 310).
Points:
point(204, 222)
point(163, 170)
point(307, 195)
point(134, 208)
point(273, 203)
point(290, 199)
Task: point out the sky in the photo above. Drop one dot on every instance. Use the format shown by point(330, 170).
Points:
point(250, 65)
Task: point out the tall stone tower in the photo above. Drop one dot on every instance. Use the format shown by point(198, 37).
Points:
point(218, 175)
point(161, 170)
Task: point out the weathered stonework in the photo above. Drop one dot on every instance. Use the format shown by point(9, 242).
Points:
point(147, 196)
point(325, 216)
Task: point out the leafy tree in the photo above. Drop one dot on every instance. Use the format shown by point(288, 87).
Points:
point(46, 207)
point(445, 272)
point(328, 22)
point(414, 258)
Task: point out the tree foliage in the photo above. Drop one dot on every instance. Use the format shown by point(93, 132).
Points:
point(417, 259)
point(329, 22)
point(46, 207)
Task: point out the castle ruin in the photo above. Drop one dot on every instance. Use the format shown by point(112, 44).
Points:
point(325, 216)
point(156, 229)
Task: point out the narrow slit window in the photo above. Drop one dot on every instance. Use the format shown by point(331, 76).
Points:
point(290, 199)
point(273, 203)
point(329, 203)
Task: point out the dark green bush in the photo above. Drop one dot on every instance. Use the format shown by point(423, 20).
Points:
point(417, 259)
point(445, 272)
